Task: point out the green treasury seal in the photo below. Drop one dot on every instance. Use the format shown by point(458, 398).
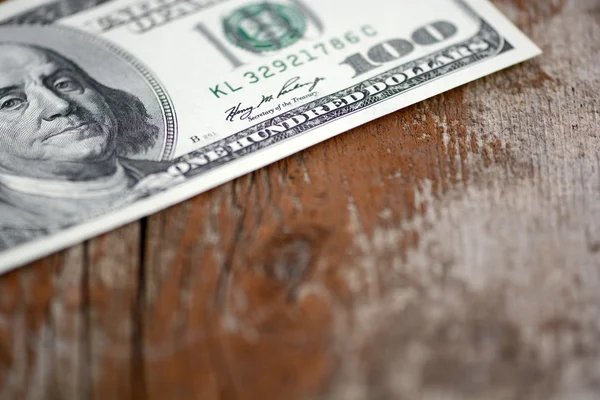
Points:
point(265, 27)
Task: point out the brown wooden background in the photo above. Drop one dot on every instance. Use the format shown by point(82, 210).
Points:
point(448, 251)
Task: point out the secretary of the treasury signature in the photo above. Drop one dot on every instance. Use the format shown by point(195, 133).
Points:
point(292, 85)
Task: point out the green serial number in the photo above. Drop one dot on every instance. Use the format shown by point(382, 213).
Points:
point(318, 51)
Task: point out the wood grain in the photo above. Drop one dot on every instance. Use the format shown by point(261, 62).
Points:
point(450, 250)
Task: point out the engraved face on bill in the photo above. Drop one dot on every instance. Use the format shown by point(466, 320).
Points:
point(115, 109)
point(82, 131)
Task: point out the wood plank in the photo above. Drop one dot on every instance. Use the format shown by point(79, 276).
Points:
point(449, 250)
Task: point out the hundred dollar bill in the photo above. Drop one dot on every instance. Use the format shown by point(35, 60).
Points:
point(113, 110)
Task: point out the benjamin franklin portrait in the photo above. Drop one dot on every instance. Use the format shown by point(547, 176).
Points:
point(66, 144)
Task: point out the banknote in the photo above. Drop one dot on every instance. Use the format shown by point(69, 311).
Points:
point(113, 110)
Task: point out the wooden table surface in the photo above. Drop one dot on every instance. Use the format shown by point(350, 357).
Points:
point(450, 250)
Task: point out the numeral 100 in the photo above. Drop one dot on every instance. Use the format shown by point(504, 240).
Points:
point(394, 49)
